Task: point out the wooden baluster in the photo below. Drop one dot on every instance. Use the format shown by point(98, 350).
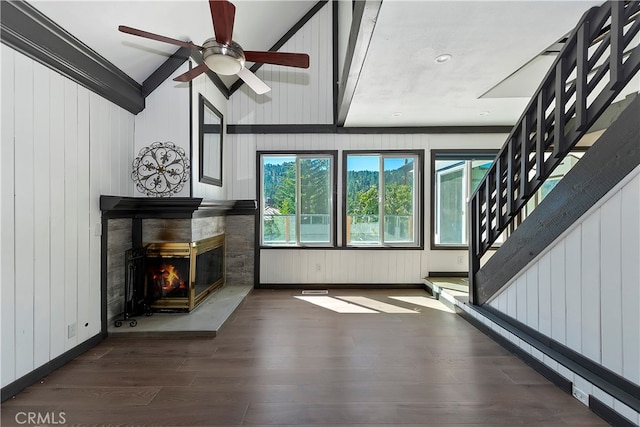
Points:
point(558, 129)
point(616, 68)
point(582, 70)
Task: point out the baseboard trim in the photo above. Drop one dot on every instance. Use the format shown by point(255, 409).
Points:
point(316, 286)
point(557, 379)
point(463, 274)
point(610, 383)
point(36, 375)
point(608, 414)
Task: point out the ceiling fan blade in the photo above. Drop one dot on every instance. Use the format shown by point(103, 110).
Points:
point(192, 73)
point(257, 85)
point(300, 60)
point(223, 14)
point(157, 37)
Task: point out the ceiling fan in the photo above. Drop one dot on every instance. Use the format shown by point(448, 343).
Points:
point(222, 55)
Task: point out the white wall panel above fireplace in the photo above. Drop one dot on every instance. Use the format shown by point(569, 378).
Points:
point(202, 85)
point(164, 119)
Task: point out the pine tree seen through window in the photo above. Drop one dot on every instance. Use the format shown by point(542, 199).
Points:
point(381, 199)
point(297, 199)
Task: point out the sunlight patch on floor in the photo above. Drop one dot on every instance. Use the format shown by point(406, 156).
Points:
point(336, 305)
point(377, 305)
point(424, 302)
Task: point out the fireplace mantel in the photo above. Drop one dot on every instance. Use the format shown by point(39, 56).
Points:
point(162, 207)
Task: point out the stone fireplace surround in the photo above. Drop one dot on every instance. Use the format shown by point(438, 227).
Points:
point(133, 221)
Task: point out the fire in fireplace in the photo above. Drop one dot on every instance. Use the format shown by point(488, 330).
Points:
point(166, 280)
point(180, 275)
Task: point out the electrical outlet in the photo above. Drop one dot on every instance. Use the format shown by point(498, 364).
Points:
point(318, 267)
point(580, 395)
point(460, 259)
point(71, 330)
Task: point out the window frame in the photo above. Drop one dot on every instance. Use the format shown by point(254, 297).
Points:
point(209, 129)
point(453, 154)
point(418, 243)
point(333, 232)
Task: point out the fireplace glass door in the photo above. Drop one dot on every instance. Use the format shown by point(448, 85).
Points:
point(180, 275)
point(209, 269)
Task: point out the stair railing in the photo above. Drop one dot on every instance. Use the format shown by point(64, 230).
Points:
point(597, 62)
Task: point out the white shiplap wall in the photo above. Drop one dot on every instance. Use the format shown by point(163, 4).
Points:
point(340, 267)
point(203, 85)
point(349, 266)
point(168, 116)
point(165, 118)
point(584, 291)
point(62, 147)
point(297, 96)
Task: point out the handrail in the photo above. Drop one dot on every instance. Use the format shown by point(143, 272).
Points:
point(572, 96)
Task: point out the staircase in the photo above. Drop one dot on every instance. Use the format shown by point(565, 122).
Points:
point(598, 61)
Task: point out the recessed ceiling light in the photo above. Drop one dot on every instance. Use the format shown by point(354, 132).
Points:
point(397, 114)
point(441, 59)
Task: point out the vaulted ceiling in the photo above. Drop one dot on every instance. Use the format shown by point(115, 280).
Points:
point(499, 50)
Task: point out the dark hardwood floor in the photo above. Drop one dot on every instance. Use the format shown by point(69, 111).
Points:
point(283, 361)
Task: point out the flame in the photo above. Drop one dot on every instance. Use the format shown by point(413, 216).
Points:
point(169, 277)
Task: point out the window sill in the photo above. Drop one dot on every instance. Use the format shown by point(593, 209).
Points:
point(383, 247)
point(297, 247)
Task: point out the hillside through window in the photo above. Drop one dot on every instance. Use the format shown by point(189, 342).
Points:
point(382, 199)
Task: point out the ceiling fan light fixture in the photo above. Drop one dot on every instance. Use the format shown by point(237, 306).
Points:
point(223, 59)
point(441, 59)
point(221, 54)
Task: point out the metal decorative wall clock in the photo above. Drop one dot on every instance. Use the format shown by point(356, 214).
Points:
point(161, 169)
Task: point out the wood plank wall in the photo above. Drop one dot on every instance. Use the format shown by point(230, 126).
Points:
point(300, 96)
point(584, 292)
point(165, 119)
point(341, 267)
point(203, 85)
point(171, 114)
point(62, 146)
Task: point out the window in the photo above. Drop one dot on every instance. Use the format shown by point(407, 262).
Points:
point(456, 176)
point(297, 199)
point(382, 199)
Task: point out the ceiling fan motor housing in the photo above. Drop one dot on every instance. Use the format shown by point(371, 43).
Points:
point(224, 59)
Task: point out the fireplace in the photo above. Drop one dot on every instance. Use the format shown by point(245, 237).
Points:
point(183, 232)
point(179, 276)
